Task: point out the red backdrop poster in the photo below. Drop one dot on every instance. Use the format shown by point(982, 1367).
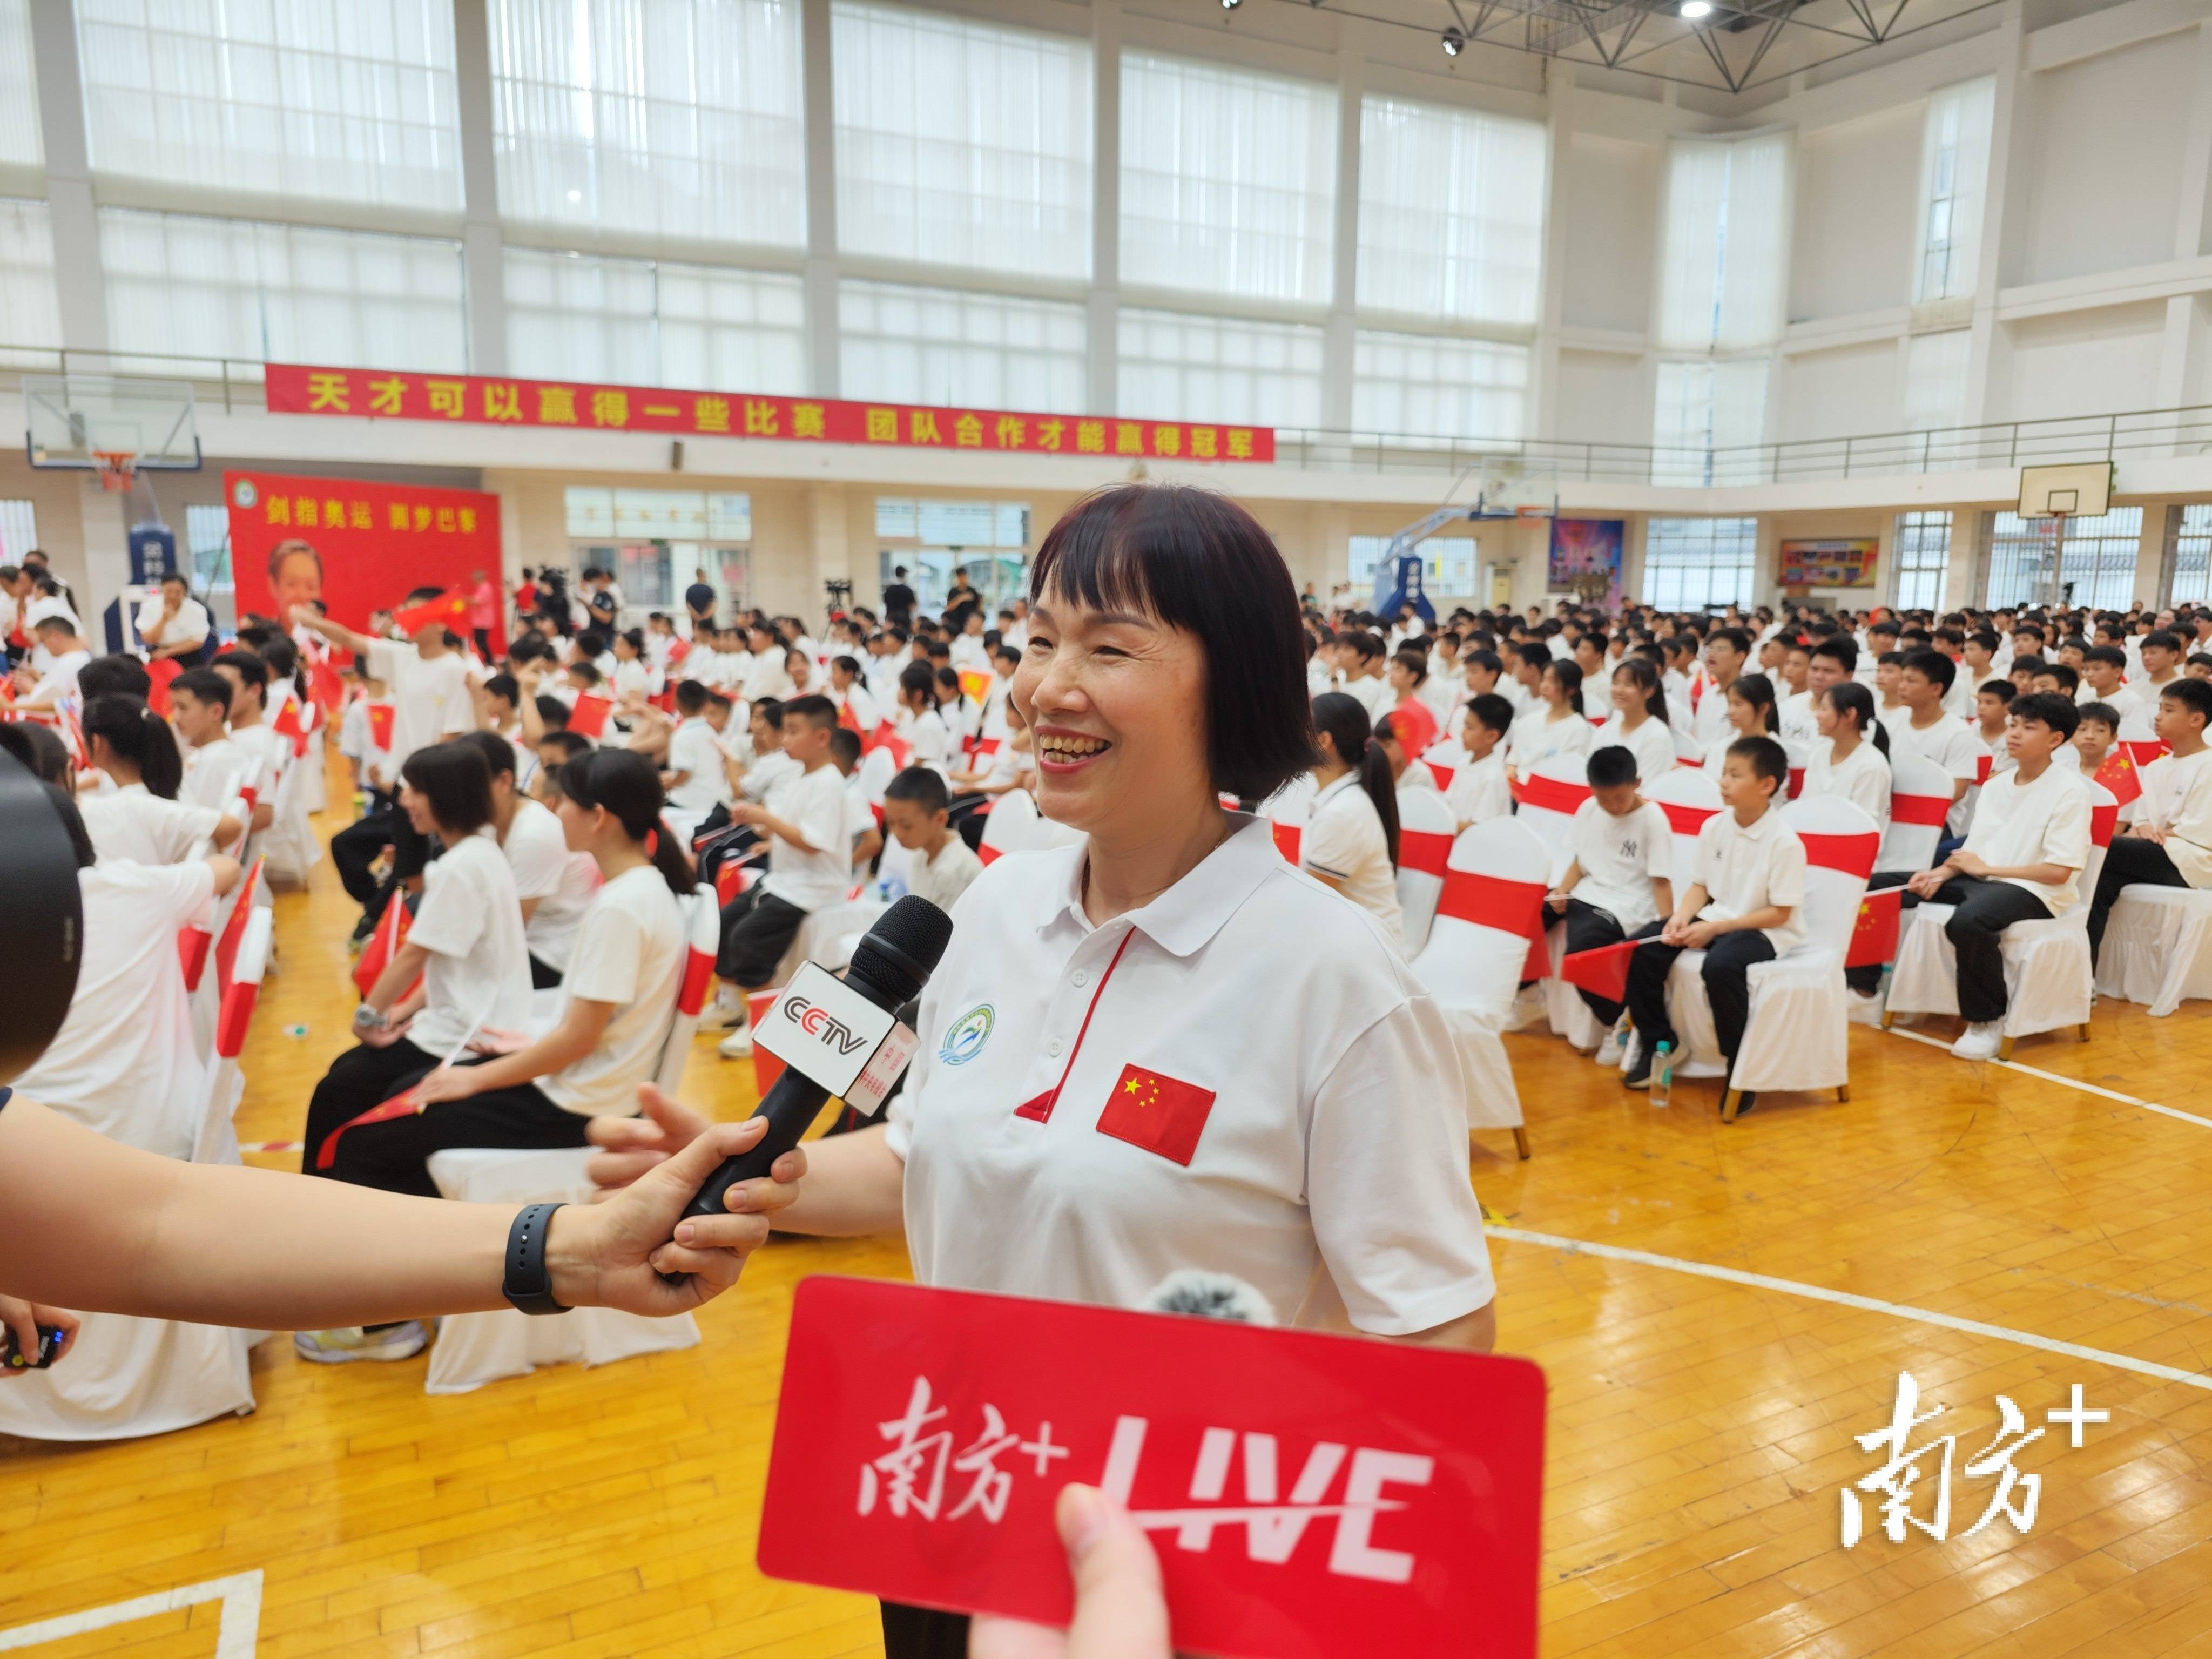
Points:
point(357, 547)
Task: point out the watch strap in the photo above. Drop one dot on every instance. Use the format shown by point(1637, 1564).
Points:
point(527, 1283)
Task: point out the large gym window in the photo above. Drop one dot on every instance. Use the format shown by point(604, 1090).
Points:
point(1176, 366)
point(1691, 564)
point(1451, 213)
point(656, 543)
point(20, 141)
point(961, 144)
point(1923, 552)
point(2192, 555)
point(19, 530)
point(1954, 169)
point(945, 346)
point(934, 539)
point(646, 322)
point(30, 313)
point(2097, 568)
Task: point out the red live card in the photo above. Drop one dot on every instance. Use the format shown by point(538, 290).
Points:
point(1309, 1496)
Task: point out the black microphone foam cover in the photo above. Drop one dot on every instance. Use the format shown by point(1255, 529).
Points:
point(896, 957)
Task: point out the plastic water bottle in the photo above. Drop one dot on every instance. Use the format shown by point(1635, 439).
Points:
point(1662, 1074)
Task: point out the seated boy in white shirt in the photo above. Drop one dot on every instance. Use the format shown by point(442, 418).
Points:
point(698, 768)
point(914, 805)
point(2093, 742)
point(1480, 789)
point(2018, 863)
point(1620, 877)
point(2170, 845)
point(1744, 903)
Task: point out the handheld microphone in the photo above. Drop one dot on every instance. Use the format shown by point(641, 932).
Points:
point(891, 963)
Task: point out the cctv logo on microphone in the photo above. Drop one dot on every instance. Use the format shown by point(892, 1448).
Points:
point(1309, 1496)
point(823, 1028)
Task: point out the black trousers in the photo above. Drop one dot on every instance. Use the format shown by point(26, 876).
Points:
point(1867, 979)
point(394, 1156)
point(2129, 861)
point(758, 928)
point(1727, 965)
point(1976, 929)
point(543, 976)
point(923, 1633)
point(355, 849)
point(1589, 929)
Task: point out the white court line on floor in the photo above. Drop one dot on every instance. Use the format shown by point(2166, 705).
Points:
point(2068, 1082)
point(1847, 1299)
point(235, 1636)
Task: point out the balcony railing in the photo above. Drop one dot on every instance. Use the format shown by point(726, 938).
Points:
point(1530, 467)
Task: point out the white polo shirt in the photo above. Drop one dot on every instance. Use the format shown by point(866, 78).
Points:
point(134, 825)
point(814, 804)
point(471, 922)
point(1330, 1168)
point(1536, 737)
point(563, 883)
point(189, 626)
point(1744, 870)
point(212, 773)
point(1479, 791)
point(429, 699)
point(2046, 821)
point(1862, 778)
point(2177, 798)
point(694, 749)
point(628, 951)
point(1344, 838)
point(1620, 857)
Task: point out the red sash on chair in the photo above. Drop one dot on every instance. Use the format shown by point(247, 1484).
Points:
point(161, 673)
point(1512, 907)
point(408, 1102)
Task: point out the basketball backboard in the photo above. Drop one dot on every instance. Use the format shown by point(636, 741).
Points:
point(1513, 488)
point(2077, 489)
point(72, 420)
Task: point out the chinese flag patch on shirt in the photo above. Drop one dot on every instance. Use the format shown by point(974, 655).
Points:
point(1158, 1113)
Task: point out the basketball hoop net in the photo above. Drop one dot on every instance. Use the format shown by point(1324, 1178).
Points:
point(116, 468)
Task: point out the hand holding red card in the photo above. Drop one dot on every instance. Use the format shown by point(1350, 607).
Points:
point(1308, 1494)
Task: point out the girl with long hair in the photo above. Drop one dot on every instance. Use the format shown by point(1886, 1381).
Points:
point(1351, 840)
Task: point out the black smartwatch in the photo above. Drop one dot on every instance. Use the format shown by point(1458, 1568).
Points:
point(527, 1285)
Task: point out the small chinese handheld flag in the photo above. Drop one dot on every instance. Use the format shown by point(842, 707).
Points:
point(975, 683)
point(1604, 971)
point(380, 724)
point(383, 945)
point(450, 609)
point(588, 718)
point(1159, 1113)
point(2119, 774)
point(1874, 935)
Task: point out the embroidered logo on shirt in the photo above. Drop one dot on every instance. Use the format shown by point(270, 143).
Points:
point(965, 1037)
point(1160, 1114)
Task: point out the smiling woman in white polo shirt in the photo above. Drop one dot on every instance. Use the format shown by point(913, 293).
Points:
point(1164, 1048)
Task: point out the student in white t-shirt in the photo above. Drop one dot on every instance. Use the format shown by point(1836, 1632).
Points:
point(2020, 862)
point(1619, 875)
point(849, 692)
point(2170, 844)
point(1922, 726)
point(942, 864)
point(920, 723)
point(554, 884)
point(1350, 839)
point(698, 766)
point(1742, 902)
point(1480, 789)
point(1849, 755)
point(467, 948)
point(266, 749)
point(1751, 712)
point(63, 653)
point(123, 1062)
point(199, 707)
point(1638, 722)
point(171, 622)
point(141, 820)
point(1554, 725)
point(809, 829)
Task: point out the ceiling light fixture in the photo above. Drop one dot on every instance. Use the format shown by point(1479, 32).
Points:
point(1230, 5)
point(1696, 9)
point(1454, 43)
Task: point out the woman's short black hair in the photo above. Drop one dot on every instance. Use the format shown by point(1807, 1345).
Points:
point(1199, 561)
point(455, 779)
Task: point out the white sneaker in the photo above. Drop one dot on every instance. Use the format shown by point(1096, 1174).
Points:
point(1979, 1042)
point(350, 1343)
point(722, 1014)
point(737, 1045)
point(1608, 1051)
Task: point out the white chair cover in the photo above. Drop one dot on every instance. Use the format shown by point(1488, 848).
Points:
point(878, 767)
point(1798, 1036)
point(1919, 799)
point(2048, 983)
point(474, 1349)
point(1425, 828)
point(704, 920)
point(1494, 888)
point(1548, 799)
point(1287, 809)
point(2158, 947)
point(126, 1377)
point(1443, 758)
point(1009, 827)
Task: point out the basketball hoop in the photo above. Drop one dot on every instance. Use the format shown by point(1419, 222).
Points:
point(116, 468)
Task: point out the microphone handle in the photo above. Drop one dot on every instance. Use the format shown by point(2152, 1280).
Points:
point(791, 1106)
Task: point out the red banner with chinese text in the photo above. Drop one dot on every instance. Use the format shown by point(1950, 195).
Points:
point(495, 400)
point(361, 547)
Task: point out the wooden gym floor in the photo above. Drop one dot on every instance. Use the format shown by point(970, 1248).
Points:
point(1990, 1230)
